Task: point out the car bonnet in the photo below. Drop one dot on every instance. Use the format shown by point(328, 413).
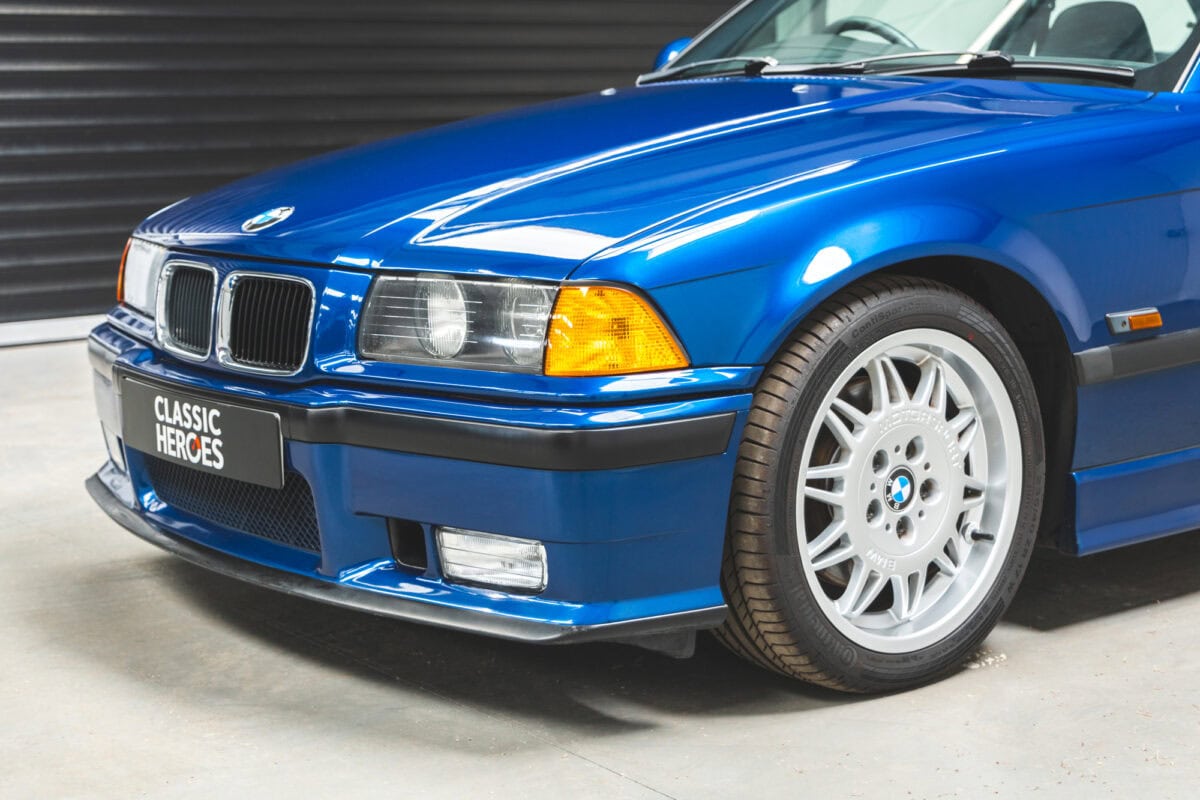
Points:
point(535, 192)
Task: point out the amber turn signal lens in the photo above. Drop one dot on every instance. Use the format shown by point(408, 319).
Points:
point(606, 330)
point(121, 273)
point(1145, 322)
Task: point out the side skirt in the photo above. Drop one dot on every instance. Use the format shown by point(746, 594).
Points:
point(1136, 501)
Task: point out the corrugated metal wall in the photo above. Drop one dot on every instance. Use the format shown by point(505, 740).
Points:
point(111, 110)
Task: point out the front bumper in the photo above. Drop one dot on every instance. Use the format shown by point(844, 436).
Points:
point(630, 502)
point(514, 628)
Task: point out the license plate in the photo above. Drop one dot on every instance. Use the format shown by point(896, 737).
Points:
point(244, 444)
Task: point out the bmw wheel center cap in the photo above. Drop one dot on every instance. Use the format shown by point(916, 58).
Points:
point(267, 219)
point(899, 489)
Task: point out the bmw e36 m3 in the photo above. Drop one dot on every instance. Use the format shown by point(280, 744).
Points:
point(808, 338)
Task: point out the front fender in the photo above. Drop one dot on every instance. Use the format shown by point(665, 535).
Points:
point(782, 270)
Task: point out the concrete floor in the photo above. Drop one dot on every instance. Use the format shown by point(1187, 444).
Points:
point(127, 673)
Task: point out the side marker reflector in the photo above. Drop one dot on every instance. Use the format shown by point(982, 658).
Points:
point(1144, 319)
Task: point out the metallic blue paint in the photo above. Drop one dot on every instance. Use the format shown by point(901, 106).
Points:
point(738, 205)
point(1136, 501)
point(671, 52)
point(609, 535)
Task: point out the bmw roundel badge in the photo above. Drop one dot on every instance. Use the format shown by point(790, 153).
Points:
point(899, 489)
point(267, 219)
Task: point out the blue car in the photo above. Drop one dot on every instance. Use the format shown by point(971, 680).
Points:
point(809, 338)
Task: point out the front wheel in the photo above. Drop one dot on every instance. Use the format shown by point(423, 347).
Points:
point(888, 490)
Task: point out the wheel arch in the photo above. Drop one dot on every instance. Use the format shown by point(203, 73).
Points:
point(1031, 322)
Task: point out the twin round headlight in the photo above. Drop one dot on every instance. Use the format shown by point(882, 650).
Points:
point(432, 318)
point(515, 326)
point(441, 318)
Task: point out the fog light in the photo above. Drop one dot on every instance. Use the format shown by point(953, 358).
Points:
point(114, 449)
point(490, 560)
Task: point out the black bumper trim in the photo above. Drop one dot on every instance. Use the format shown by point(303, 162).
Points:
point(521, 630)
point(532, 448)
point(488, 443)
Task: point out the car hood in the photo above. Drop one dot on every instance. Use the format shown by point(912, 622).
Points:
point(538, 191)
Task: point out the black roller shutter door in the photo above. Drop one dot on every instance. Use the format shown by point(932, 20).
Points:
point(111, 110)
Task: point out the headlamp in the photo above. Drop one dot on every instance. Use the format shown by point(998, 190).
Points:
point(515, 326)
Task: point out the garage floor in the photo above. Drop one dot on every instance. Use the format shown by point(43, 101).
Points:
point(126, 673)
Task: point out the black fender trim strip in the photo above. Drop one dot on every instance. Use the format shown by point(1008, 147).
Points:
point(1126, 360)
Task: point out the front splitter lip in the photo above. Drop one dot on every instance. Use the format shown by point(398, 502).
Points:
point(471, 621)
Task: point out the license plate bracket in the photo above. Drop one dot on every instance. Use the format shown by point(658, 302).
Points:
point(194, 431)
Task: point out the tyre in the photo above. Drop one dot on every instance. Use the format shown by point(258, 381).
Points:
point(888, 490)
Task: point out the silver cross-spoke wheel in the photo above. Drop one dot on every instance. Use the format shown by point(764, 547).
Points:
point(910, 490)
point(888, 490)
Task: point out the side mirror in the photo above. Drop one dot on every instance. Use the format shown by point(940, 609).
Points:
point(670, 53)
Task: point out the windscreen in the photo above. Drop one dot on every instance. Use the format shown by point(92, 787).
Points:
point(1156, 38)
